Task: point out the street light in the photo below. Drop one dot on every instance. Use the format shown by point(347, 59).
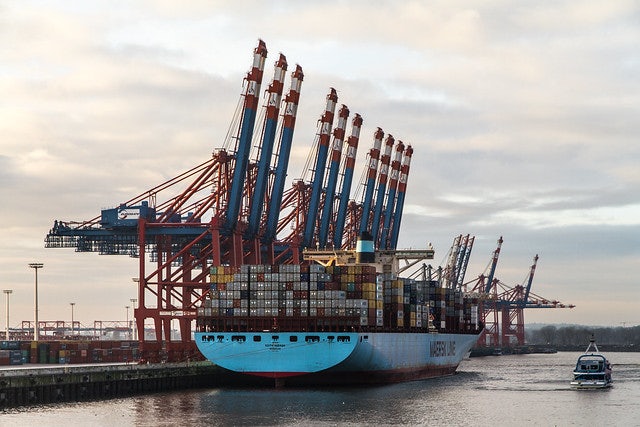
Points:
point(136, 280)
point(36, 332)
point(72, 304)
point(7, 292)
point(133, 306)
point(128, 330)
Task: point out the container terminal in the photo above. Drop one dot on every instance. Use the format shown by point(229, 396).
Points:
point(233, 211)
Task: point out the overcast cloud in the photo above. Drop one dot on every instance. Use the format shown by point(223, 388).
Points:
point(523, 117)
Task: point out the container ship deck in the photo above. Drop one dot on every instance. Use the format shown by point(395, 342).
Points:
point(341, 323)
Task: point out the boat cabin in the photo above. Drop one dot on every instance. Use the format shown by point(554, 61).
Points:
point(592, 366)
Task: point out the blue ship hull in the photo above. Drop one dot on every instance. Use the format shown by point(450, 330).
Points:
point(337, 357)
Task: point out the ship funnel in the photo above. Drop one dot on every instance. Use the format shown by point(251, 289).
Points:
point(364, 249)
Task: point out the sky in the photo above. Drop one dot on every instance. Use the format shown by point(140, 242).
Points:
point(523, 116)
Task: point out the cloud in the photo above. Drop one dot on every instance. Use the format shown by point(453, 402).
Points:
point(523, 119)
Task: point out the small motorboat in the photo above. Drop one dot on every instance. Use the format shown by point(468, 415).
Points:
point(592, 371)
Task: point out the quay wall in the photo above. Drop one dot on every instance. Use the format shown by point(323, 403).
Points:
point(33, 385)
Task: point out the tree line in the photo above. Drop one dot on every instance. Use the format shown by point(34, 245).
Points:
point(572, 337)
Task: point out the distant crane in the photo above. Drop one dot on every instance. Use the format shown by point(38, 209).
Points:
point(458, 260)
point(498, 300)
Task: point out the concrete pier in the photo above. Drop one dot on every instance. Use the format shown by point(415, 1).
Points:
point(36, 385)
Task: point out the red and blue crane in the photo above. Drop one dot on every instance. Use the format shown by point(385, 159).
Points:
point(501, 307)
point(233, 209)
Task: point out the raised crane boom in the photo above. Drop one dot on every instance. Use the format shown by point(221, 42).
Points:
point(402, 190)
point(465, 254)
point(274, 95)
point(332, 178)
point(391, 197)
point(251, 98)
point(347, 177)
point(326, 122)
point(286, 137)
point(382, 186)
point(527, 289)
point(494, 264)
point(372, 173)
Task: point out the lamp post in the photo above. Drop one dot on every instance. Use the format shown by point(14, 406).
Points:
point(133, 306)
point(7, 292)
point(136, 280)
point(36, 332)
point(128, 330)
point(72, 304)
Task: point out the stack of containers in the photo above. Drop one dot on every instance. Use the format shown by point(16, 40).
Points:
point(454, 312)
point(11, 357)
point(423, 308)
point(417, 307)
point(273, 291)
point(470, 308)
point(294, 291)
point(439, 305)
point(345, 292)
point(393, 300)
point(379, 301)
point(316, 272)
point(358, 283)
point(414, 304)
point(458, 306)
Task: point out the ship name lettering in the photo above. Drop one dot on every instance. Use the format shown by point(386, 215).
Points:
point(442, 348)
point(274, 346)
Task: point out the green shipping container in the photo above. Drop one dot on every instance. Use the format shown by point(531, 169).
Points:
point(43, 353)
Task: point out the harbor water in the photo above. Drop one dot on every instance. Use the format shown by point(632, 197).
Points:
point(511, 390)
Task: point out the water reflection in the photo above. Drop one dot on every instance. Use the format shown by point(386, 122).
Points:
point(505, 390)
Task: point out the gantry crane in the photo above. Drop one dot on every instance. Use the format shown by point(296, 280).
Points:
point(233, 209)
point(499, 301)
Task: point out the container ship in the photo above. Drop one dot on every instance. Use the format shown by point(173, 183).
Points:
point(344, 323)
point(276, 278)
